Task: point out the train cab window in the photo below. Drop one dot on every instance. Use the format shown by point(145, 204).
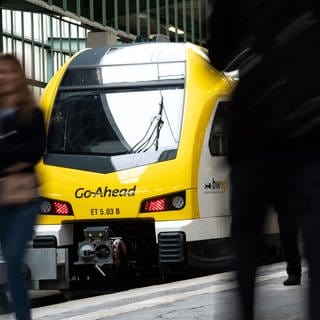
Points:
point(217, 139)
point(116, 123)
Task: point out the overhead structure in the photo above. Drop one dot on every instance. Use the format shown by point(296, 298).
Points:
point(182, 20)
point(44, 33)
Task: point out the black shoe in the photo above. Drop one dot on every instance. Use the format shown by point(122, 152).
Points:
point(292, 280)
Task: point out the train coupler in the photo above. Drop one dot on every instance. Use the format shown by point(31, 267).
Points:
point(100, 249)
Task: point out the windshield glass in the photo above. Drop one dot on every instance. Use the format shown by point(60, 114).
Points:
point(123, 74)
point(116, 123)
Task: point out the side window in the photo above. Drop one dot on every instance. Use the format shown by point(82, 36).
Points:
point(217, 139)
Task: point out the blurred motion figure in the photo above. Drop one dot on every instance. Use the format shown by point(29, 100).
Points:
point(22, 142)
point(273, 126)
point(289, 236)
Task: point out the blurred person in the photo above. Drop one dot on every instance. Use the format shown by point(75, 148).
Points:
point(22, 142)
point(289, 231)
point(273, 126)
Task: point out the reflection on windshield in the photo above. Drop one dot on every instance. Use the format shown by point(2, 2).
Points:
point(115, 123)
point(124, 74)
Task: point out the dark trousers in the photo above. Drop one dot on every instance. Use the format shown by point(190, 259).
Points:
point(16, 226)
point(289, 236)
point(256, 184)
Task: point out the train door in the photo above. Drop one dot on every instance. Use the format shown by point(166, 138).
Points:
point(213, 184)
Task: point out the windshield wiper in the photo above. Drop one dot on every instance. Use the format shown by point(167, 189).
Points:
point(159, 124)
point(157, 128)
point(153, 131)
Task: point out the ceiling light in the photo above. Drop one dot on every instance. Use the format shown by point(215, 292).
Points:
point(175, 30)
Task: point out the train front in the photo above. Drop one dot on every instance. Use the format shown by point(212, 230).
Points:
point(113, 169)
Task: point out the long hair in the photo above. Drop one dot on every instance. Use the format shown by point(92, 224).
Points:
point(26, 101)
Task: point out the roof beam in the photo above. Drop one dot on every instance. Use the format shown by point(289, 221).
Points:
point(91, 24)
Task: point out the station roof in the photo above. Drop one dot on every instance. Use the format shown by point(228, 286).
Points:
point(193, 13)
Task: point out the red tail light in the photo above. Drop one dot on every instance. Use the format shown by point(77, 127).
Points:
point(160, 204)
point(61, 208)
point(173, 201)
point(54, 207)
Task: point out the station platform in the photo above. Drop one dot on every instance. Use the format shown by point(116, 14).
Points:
point(211, 297)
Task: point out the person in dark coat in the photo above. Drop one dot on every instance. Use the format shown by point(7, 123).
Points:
point(22, 143)
point(273, 126)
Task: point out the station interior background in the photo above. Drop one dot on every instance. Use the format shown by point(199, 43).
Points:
point(43, 34)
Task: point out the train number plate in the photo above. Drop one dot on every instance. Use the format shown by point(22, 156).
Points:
point(105, 211)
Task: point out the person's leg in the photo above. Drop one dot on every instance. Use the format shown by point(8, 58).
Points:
point(312, 243)
point(311, 237)
point(248, 207)
point(305, 199)
point(289, 235)
point(4, 303)
point(19, 231)
point(4, 224)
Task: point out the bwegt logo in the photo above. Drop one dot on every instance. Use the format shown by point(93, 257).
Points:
point(104, 192)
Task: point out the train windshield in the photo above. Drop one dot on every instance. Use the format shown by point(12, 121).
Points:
point(123, 115)
point(116, 123)
point(127, 128)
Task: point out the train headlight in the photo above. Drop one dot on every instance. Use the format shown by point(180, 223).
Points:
point(45, 207)
point(178, 202)
point(168, 202)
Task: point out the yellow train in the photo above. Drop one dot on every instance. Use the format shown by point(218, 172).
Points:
point(134, 176)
